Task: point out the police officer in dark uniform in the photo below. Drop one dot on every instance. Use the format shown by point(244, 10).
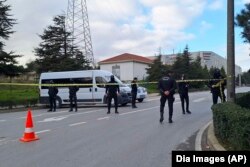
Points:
point(72, 95)
point(112, 90)
point(217, 86)
point(167, 86)
point(134, 92)
point(52, 96)
point(183, 92)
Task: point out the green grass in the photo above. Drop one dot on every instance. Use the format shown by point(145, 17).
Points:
point(18, 95)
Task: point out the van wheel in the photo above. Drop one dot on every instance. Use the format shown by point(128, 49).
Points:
point(124, 104)
point(140, 100)
point(58, 102)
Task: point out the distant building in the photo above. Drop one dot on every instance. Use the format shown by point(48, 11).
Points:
point(208, 58)
point(127, 66)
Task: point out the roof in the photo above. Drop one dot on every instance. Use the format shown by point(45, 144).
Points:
point(127, 57)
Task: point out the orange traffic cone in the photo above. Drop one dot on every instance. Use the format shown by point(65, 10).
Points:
point(29, 134)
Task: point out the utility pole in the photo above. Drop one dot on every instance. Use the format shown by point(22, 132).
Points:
point(230, 52)
point(78, 26)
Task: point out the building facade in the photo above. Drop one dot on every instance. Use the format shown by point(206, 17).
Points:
point(127, 66)
point(208, 58)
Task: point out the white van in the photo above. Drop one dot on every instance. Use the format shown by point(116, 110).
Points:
point(91, 93)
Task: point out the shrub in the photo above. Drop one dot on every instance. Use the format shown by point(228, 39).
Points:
point(243, 99)
point(232, 125)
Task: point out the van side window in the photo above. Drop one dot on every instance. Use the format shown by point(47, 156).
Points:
point(85, 80)
point(101, 82)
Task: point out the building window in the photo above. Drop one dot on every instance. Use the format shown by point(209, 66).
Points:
point(116, 71)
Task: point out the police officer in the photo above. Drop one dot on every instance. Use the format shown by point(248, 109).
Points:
point(52, 96)
point(112, 90)
point(72, 95)
point(167, 86)
point(217, 86)
point(183, 92)
point(134, 92)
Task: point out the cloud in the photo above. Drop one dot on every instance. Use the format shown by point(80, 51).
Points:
point(245, 1)
point(117, 26)
point(216, 5)
point(204, 26)
point(242, 56)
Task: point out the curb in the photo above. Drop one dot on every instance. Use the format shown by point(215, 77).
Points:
point(211, 138)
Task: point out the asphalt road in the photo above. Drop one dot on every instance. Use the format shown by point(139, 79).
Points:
point(91, 138)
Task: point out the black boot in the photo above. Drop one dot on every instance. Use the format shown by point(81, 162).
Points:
point(189, 112)
point(162, 117)
point(170, 120)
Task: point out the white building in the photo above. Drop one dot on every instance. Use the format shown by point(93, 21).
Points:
point(127, 66)
point(208, 58)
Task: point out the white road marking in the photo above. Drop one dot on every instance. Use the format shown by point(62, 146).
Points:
point(79, 123)
point(43, 131)
point(2, 120)
point(139, 110)
point(53, 119)
point(78, 113)
point(153, 99)
point(102, 118)
point(199, 100)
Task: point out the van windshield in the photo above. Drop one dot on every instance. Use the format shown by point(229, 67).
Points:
point(116, 79)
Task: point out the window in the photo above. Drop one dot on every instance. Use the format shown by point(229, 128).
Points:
point(100, 81)
point(86, 80)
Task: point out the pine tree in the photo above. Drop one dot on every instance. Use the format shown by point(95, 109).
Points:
point(242, 20)
point(8, 63)
point(56, 51)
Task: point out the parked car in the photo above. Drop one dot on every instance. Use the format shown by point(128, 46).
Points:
point(141, 93)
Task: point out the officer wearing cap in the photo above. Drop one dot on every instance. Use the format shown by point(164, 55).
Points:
point(134, 92)
point(112, 90)
point(167, 86)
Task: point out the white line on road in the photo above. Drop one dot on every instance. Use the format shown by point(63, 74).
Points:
point(43, 131)
point(2, 120)
point(102, 118)
point(199, 100)
point(79, 123)
point(139, 110)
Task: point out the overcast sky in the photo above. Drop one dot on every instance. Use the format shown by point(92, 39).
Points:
point(134, 26)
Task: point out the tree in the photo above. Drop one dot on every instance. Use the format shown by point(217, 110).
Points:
point(6, 23)
point(182, 63)
point(242, 20)
point(56, 52)
point(8, 63)
point(156, 70)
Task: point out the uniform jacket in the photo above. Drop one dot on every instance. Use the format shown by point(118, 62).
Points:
point(167, 84)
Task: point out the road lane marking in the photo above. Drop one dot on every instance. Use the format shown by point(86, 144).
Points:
point(43, 131)
point(79, 123)
point(70, 113)
point(2, 120)
point(199, 100)
point(53, 119)
point(102, 118)
point(131, 112)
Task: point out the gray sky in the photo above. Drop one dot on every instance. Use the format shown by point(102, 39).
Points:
point(133, 26)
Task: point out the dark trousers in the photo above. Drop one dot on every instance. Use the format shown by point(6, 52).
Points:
point(184, 98)
point(73, 99)
point(110, 97)
point(170, 105)
point(218, 94)
point(134, 94)
point(52, 102)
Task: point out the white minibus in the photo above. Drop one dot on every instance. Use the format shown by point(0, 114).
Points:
point(93, 92)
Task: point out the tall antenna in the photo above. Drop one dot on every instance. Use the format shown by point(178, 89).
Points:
point(78, 25)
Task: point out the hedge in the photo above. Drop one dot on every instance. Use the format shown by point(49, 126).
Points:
point(243, 99)
point(232, 125)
